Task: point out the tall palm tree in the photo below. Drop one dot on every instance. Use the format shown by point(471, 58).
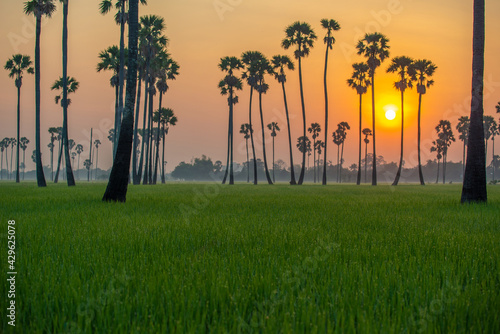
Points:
point(120, 172)
point(245, 130)
point(374, 47)
point(360, 82)
point(23, 144)
point(329, 40)
point(279, 63)
point(463, 130)
point(71, 87)
point(79, 150)
point(227, 86)
point(401, 66)
point(445, 134)
point(301, 35)
point(474, 185)
point(422, 70)
point(17, 65)
point(367, 132)
point(167, 119)
point(273, 126)
point(438, 147)
point(38, 8)
point(314, 130)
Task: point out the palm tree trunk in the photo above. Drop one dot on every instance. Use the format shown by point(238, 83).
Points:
point(143, 141)
point(358, 179)
point(231, 121)
point(398, 174)
point(18, 131)
point(59, 156)
point(40, 177)
point(136, 126)
point(437, 177)
point(292, 169)
point(314, 160)
point(147, 138)
point(493, 157)
point(24, 162)
point(163, 154)
point(78, 167)
point(341, 162)
point(251, 138)
point(274, 178)
point(150, 127)
point(374, 168)
point(96, 161)
point(157, 155)
point(69, 171)
point(226, 173)
point(118, 180)
point(338, 162)
point(90, 156)
point(366, 161)
point(474, 186)
point(420, 174)
point(444, 167)
point(326, 113)
point(117, 118)
point(268, 176)
point(463, 163)
point(122, 69)
point(302, 171)
point(248, 162)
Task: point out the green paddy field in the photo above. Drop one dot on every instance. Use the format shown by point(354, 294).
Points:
point(199, 258)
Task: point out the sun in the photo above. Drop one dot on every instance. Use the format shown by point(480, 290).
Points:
point(390, 114)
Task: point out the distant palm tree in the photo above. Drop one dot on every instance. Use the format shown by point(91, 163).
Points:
point(38, 8)
point(12, 142)
point(438, 147)
point(402, 66)
point(360, 82)
point(227, 86)
point(33, 156)
point(273, 126)
point(445, 134)
point(374, 47)
point(54, 134)
point(3, 146)
point(329, 40)
point(490, 131)
point(17, 65)
point(23, 144)
point(320, 146)
point(301, 35)
point(279, 63)
point(97, 143)
point(304, 144)
point(167, 119)
point(79, 150)
point(87, 164)
point(367, 132)
point(422, 70)
point(474, 185)
point(314, 130)
point(245, 130)
point(463, 130)
point(339, 137)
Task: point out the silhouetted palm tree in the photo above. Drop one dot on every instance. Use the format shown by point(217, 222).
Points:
point(97, 143)
point(304, 144)
point(54, 134)
point(421, 70)
point(401, 65)
point(314, 130)
point(367, 132)
point(320, 146)
point(463, 130)
point(490, 131)
point(374, 47)
point(445, 134)
point(88, 165)
point(438, 147)
point(167, 119)
point(273, 126)
point(23, 144)
point(12, 142)
point(279, 63)
point(79, 150)
point(38, 8)
point(339, 137)
point(16, 67)
point(474, 185)
point(245, 130)
point(3, 146)
point(301, 35)
point(359, 81)
point(329, 40)
point(227, 86)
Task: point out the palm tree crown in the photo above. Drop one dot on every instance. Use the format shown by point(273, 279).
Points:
point(422, 70)
point(375, 48)
point(39, 8)
point(359, 79)
point(17, 65)
point(301, 35)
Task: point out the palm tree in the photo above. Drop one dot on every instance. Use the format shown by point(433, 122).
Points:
point(116, 189)
point(7, 141)
point(463, 130)
point(54, 134)
point(38, 8)
point(88, 165)
point(17, 65)
point(495, 132)
point(320, 146)
point(68, 86)
point(445, 134)
point(421, 70)
point(245, 130)
point(339, 137)
point(367, 132)
point(13, 142)
point(374, 47)
point(23, 144)
point(97, 143)
point(165, 117)
point(273, 126)
point(359, 81)
point(304, 145)
point(314, 129)
point(329, 40)
point(438, 147)
point(3, 146)
point(490, 131)
point(337, 140)
point(227, 86)
point(279, 63)
point(79, 150)
point(401, 65)
point(301, 35)
point(474, 185)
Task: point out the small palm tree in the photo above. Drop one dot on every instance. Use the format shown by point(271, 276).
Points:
point(401, 65)
point(360, 82)
point(490, 131)
point(167, 119)
point(374, 47)
point(245, 129)
point(304, 145)
point(16, 67)
point(339, 137)
point(463, 130)
point(54, 135)
point(273, 126)
point(320, 146)
point(79, 150)
point(23, 144)
point(301, 35)
point(38, 8)
point(2, 148)
point(329, 40)
point(438, 147)
point(88, 165)
point(445, 134)
point(422, 71)
point(367, 132)
point(12, 142)
point(314, 130)
point(97, 143)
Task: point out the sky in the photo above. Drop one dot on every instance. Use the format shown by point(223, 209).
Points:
point(200, 32)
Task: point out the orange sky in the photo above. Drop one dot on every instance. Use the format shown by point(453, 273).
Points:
point(200, 34)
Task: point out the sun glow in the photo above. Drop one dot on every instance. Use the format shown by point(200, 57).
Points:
point(390, 114)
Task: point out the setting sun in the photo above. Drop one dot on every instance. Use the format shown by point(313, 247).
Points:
point(390, 114)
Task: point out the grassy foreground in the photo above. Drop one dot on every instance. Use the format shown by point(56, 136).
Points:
point(195, 258)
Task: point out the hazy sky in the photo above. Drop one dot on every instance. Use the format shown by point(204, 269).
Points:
point(203, 31)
